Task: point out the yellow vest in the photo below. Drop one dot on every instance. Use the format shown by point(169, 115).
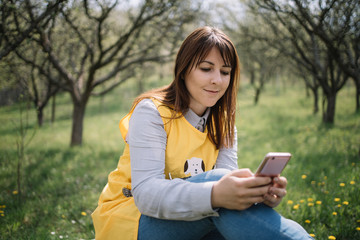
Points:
point(116, 216)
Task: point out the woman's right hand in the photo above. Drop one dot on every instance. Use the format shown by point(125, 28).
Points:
point(239, 190)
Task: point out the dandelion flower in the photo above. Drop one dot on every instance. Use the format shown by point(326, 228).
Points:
point(352, 182)
point(337, 199)
point(358, 229)
point(334, 213)
point(302, 201)
point(345, 202)
point(313, 182)
point(339, 205)
point(332, 237)
point(307, 221)
point(342, 184)
point(358, 221)
point(1, 211)
point(15, 192)
point(304, 176)
point(296, 207)
point(326, 192)
point(318, 202)
point(353, 164)
point(312, 235)
point(310, 199)
point(325, 177)
point(310, 204)
point(83, 213)
point(290, 202)
point(3, 215)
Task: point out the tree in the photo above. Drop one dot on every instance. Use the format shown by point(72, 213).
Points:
point(96, 43)
point(20, 18)
point(304, 45)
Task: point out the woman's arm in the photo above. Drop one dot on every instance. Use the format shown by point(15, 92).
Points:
point(227, 157)
point(153, 194)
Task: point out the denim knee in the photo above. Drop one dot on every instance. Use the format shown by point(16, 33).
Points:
point(209, 176)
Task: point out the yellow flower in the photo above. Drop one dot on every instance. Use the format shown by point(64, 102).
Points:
point(318, 202)
point(15, 192)
point(1, 211)
point(310, 200)
point(2, 215)
point(352, 182)
point(296, 206)
point(358, 229)
point(337, 199)
point(313, 182)
point(332, 237)
point(304, 176)
point(83, 213)
point(345, 202)
point(310, 204)
point(325, 177)
point(334, 213)
point(353, 164)
point(358, 221)
point(307, 221)
point(302, 201)
point(312, 235)
point(290, 202)
point(63, 216)
point(326, 192)
point(342, 184)
point(339, 205)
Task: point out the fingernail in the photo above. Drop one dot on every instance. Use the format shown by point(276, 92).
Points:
point(276, 179)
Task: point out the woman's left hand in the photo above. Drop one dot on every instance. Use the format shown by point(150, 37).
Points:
point(276, 192)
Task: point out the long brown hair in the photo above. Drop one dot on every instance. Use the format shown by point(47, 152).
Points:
point(193, 50)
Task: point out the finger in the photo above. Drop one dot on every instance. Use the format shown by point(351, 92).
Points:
point(280, 182)
point(242, 173)
point(256, 192)
point(271, 200)
point(279, 192)
point(254, 182)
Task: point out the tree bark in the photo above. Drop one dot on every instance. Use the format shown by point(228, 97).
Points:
point(329, 112)
point(77, 124)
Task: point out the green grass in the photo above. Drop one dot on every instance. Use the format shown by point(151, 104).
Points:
point(61, 185)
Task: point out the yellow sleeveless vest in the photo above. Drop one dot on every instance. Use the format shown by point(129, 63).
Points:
point(116, 216)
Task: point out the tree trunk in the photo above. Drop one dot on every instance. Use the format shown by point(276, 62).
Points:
point(329, 112)
point(257, 96)
point(357, 95)
point(53, 107)
point(40, 116)
point(77, 123)
point(316, 100)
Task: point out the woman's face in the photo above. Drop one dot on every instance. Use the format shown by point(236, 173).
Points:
point(207, 82)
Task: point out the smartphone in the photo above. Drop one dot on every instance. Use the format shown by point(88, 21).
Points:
point(273, 164)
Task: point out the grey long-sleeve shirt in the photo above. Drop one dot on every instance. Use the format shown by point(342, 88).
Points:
point(154, 195)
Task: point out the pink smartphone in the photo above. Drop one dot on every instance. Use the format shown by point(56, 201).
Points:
point(273, 164)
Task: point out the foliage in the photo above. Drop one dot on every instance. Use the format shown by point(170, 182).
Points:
point(61, 185)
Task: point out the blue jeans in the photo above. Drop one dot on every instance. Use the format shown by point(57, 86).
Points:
point(257, 222)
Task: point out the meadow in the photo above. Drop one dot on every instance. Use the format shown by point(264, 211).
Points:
point(60, 185)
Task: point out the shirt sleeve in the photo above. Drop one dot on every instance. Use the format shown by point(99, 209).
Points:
point(227, 157)
point(154, 195)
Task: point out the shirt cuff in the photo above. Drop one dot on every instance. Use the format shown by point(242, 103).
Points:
point(202, 203)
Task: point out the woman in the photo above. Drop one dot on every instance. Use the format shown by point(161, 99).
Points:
point(178, 177)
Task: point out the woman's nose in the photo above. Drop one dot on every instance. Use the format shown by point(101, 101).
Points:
point(216, 78)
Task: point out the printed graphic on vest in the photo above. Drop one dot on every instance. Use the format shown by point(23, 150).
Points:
point(194, 166)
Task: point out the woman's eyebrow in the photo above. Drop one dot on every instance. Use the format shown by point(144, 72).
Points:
point(211, 63)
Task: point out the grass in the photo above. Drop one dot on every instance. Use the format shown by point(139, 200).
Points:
point(61, 185)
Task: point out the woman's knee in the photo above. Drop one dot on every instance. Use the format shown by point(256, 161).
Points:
point(209, 176)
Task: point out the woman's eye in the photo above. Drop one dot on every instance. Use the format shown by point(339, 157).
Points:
point(225, 73)
point(205, 69)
